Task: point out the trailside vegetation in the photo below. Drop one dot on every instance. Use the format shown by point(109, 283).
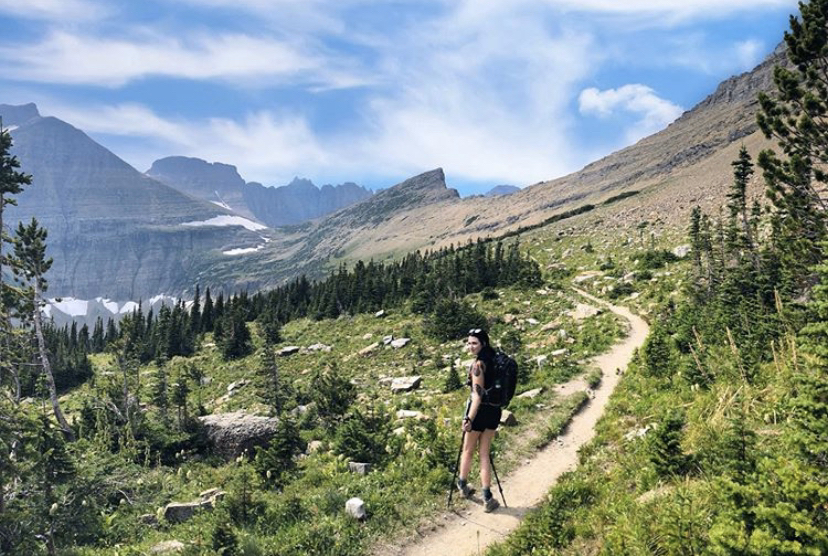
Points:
point(715, 441)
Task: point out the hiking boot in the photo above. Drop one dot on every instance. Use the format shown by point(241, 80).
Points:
point(491, 505)
point(465, 490)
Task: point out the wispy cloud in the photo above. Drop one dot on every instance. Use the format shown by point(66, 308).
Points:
point(54, 10)
point(652, 113)
point(82, 59)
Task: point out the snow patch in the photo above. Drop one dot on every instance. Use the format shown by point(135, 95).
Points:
point(161, 297)
point(128, 307)
point(111, 306)
point(222, 204)
point(71, 306)
point(245, 250)
point(227, 220)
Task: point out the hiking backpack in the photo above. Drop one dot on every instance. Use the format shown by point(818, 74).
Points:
point(505, 380)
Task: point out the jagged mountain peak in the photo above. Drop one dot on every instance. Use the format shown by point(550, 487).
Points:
point(15, 115)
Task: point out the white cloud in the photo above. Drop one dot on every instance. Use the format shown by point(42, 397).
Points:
point(653, 112)
point(54, 10)
point(669, 10)
point(80, 59)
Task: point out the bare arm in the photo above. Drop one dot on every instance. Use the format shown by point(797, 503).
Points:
point(477, 371)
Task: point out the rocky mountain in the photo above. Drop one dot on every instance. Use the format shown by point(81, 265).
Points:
point(655, 181)
point(120, 234)
point(112, 231)
point(502, 190)
point(219, 183)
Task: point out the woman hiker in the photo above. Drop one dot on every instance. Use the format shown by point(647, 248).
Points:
point(481, 419)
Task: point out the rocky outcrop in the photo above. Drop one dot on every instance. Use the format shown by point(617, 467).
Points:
point(294, 203)
point(236, 433)
point(179, 512)
point(113, 232)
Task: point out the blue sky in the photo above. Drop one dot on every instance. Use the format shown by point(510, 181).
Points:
point(493, 91)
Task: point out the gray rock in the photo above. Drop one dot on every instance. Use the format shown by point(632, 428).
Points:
point(400, 342)
point(287, 350)
point(583, 311)
point(359, 468)
point(320, 347)
point(355, 508)
point(386, 340)
point(314, 446)
point(410, 414)
point(379, 314)
point(560, 352)
point(405, 383)
point(167, 547)
point(232, 434)
point(531, 394)
point(148, 519)
point(508, 419)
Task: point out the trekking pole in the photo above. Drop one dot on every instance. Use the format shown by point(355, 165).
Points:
point(500, 488)
point(456, 470)
point(459, 453)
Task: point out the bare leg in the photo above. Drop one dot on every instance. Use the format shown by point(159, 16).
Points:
point(469, 445)
point(485, 461)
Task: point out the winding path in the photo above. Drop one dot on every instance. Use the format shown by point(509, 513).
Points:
point(470, 530)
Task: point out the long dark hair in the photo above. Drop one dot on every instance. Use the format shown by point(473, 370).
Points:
point(487, 353)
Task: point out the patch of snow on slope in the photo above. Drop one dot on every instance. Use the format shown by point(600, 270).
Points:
point(227, 220)
point(71, 306)
point(245, 250)
point(111, 306)
point(128, 307)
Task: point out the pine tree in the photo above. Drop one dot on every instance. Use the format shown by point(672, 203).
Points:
point(31, 264)
point(796, 117)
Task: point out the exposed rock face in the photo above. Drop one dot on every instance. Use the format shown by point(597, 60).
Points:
point(502, 190)
point(18, 115)
point(113, 232)
point(215, 182)
point(231, 434)
point(300, 200)
point(297, 202)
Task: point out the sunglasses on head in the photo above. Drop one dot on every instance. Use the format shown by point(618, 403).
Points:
point(475, 331)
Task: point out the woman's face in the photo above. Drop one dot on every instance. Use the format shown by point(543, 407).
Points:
point(473, 345)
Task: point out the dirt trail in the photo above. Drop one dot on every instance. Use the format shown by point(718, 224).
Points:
point(470, 530)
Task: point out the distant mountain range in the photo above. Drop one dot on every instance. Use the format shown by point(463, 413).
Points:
point(123, 235)
point(219, 183)
point(502, 190)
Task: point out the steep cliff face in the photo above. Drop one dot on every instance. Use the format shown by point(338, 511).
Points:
point(297, 202)
point(112, 231)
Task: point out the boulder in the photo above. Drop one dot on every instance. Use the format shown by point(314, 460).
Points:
point(400, 342)
point(319, 347)
point(314, 446)
point(379, 314)
point(386, 340)
point(682, 251)
point(359, 468)
point(560, 352)
point(541, 360)
point(355, 508)
point(532, 321)
point(531, 394)
point(232, 434)
point(166, 547)
point(287, 350)
point(583, 311)
point(367, 336)
point(507, 419)
point(405, 383)
point(411, 414)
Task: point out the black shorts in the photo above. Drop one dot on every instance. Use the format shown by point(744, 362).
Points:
point(488, 417)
